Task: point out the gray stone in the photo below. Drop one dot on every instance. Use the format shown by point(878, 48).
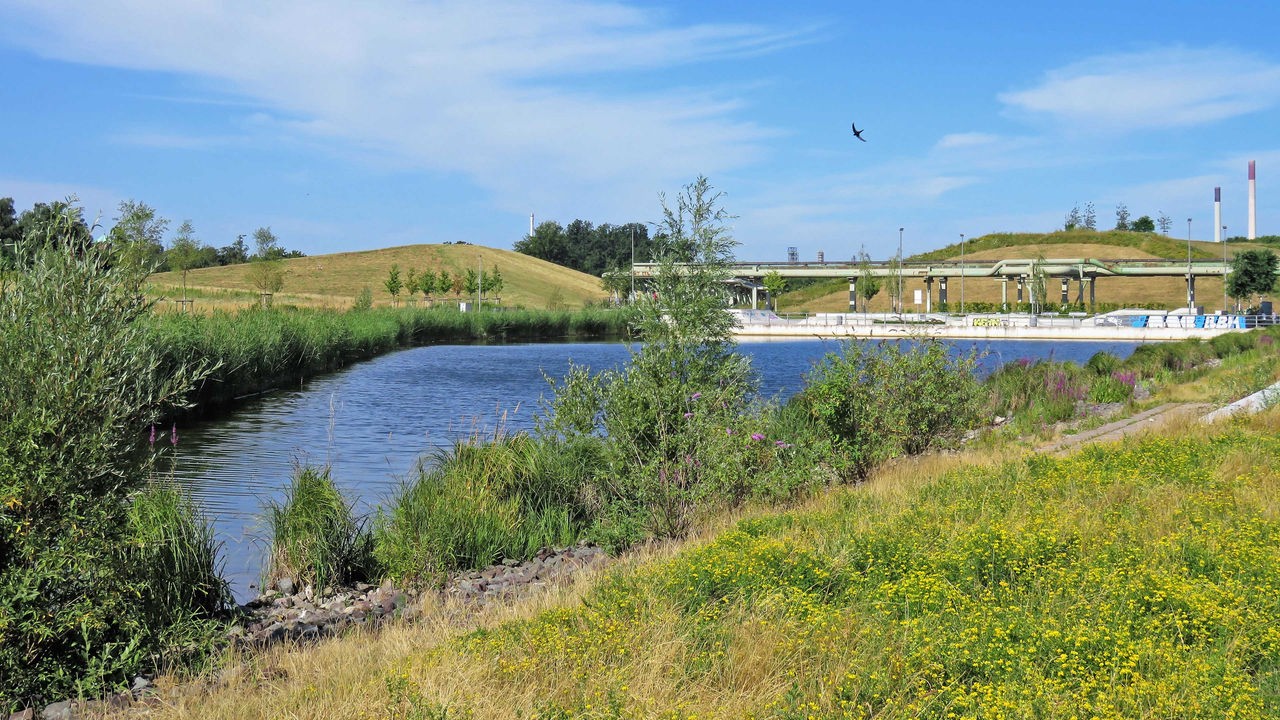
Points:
point(28, 714)
point(285, 585)
point(57, 711)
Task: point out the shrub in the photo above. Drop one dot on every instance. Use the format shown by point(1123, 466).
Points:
point(889, 399)
point(78, 613)
point(315, 537)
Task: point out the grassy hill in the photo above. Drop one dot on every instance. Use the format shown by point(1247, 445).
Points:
point(335, 280)
point(1106, 245)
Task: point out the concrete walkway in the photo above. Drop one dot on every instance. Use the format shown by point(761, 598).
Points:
point(1126, 427)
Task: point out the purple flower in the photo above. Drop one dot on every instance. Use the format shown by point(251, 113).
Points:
point(688, 415)
point(728, 431)
point(757, 437)
point(695, 396)
point(153, 434)
point(782, 444)
point(173, 435)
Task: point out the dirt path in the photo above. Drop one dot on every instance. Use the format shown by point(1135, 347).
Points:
point(1124, 427)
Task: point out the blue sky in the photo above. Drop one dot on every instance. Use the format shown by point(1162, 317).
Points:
point(347, 126)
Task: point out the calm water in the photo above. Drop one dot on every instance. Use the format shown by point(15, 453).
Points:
point(373, 421)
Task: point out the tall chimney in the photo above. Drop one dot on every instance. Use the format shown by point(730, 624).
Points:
point(1217, 214)
point(530, 224)
point(1253, 201)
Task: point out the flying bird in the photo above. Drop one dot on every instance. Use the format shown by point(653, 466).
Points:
point(856, 132)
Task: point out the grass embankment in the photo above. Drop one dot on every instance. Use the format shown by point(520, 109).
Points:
point(1128, 580)
point(1125, 581)
point(1106, 245)
point(257, 350)
point(335, 280)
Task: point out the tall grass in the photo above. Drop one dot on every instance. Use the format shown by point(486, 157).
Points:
point(316, 538)
point(260, 349)
point(478, 503)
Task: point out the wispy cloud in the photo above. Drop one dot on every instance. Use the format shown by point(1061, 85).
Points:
point(966, 140)
point(1158, 88)
point(515, 96)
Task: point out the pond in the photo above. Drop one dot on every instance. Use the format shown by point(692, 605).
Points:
point(373, 421)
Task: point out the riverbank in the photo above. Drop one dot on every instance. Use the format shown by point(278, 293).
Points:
point(256, 350)
point(803, 609)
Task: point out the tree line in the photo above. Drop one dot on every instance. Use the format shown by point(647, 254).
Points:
point(588, 248)
point(139, 232)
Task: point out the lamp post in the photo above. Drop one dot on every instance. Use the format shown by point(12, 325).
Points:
point(1189, 299)
point(900, 270)
point(1224, 269)
point(961, 273)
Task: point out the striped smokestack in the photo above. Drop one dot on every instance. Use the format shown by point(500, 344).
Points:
point(1253, 201)
point(1217, 214)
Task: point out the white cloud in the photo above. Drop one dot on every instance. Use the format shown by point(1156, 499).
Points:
point(1158, 88)
point(518, 97)
point(966, 140)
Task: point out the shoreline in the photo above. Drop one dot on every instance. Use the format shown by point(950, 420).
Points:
point(1152, 327)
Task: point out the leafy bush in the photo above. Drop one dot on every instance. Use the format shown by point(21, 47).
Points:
point(890, 399)
point(79, 609)
point(315, 536)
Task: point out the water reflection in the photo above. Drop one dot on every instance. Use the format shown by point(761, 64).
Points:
point(373, 421)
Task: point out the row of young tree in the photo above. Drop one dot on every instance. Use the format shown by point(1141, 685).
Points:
point(592, 249)
point(1087, 218)
point(139, 232)
point(431, 283)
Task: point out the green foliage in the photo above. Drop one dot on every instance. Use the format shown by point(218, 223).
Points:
point(1036, 394)
point(393, 283)
point(184, 253)
point(139, 232)
point(364, 299)
point(262, 349)
point(775, 285)
point(267, 275)
point(267, 245)
point(1253, 272)
point(80, 610)
point(1143, 224)
point(481, 502)
point(890, 399)
point(315, 536)
point(588, 248)
point(1102, 363)
point(1112, 388)
point(867, 285)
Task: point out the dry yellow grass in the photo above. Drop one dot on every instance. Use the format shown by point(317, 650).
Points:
point(335, 280)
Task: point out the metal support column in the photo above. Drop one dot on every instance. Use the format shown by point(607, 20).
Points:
point(942, 291)
point(853, 295)
point(1004, 294)
point(1066, 290)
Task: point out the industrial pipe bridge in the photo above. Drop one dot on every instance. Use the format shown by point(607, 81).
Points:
point(1083, 270)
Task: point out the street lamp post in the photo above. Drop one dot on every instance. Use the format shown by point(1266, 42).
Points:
point(1224, 269)
point(961, 273)
point(1189, 298)
point(900, 270)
